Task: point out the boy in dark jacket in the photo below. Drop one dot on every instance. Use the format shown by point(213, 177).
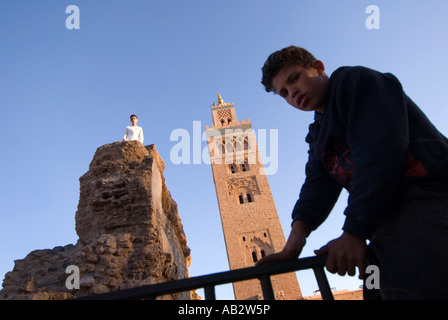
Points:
point(370, 138)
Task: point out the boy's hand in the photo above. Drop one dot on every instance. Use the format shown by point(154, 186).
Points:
point(344, 254)
point(293, 247)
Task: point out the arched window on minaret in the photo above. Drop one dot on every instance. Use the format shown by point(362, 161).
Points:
point(249, 198)
point(223, 145)
point(229, 146)
point(241, 198)
point(238, 146)
point(246, 144)
point(254, 256)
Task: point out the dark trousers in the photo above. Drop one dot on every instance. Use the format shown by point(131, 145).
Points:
point(410, 247)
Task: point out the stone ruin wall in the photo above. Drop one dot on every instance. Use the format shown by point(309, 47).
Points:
point(130, 233)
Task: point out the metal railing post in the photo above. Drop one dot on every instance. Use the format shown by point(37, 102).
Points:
point(323, 284)
point(266, 287)
point(209, 292)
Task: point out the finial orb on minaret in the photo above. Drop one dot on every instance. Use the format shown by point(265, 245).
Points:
point(220, 101)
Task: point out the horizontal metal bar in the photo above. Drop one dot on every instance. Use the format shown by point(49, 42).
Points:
point(193, 283)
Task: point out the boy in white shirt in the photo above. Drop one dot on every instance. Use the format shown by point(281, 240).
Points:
point(133, 132)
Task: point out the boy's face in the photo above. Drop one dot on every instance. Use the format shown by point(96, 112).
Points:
point(134, 121)
point(303, 88)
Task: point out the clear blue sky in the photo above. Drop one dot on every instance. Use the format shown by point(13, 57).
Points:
point(64, 93)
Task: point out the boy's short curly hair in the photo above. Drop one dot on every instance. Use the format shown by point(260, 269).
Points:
point(287, 56)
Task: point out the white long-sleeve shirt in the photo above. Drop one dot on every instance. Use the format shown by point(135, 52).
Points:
point(133, 133)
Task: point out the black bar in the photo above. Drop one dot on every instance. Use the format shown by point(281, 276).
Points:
point(266, 287)
point(210, 292)
point(323, 284)
point(231, 276)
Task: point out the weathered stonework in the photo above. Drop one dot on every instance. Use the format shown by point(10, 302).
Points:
point(130, 233)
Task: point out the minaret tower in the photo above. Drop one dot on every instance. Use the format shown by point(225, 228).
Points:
point(249, 217)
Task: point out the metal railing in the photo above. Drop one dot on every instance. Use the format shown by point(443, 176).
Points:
point(209, 282)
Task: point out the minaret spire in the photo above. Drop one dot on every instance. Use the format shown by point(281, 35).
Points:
point(250, 222)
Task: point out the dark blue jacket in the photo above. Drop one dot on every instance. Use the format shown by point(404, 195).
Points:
point(371, 138)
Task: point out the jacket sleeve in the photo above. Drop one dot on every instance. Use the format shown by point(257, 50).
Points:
point(373, 107)
point(318, 195)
